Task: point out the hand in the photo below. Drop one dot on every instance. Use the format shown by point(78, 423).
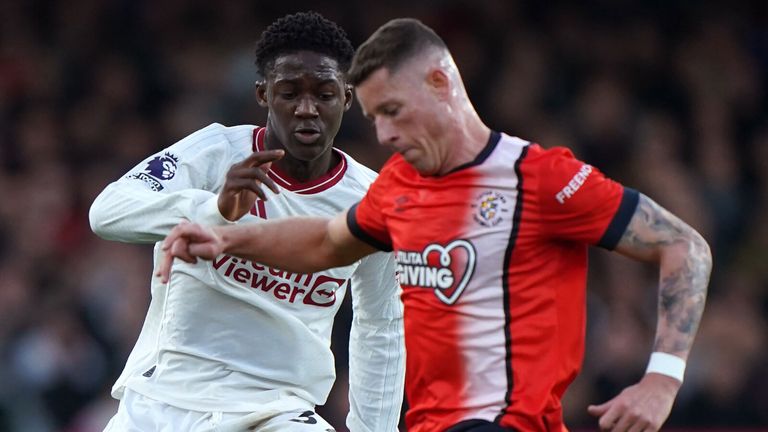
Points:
point(189, 241)
point(243, 184)
point(643, 407)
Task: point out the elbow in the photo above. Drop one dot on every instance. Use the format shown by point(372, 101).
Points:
point(97, 218)
point(695, 258)
point(690, 254)
point(701, 251)
point(98, 226)
point(698, 267)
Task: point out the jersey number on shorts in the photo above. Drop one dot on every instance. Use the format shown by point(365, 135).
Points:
point(306, 417)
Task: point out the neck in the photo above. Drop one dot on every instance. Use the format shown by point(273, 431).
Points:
point(298, 169)
point(465, 141)
point(306, 171)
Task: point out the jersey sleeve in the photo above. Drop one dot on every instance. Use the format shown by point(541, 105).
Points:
point(579, 203)
point(366, 219)
point(376, 347)
point(175, 184)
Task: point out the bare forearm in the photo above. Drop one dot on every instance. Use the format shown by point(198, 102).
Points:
point(684, 277)
point(297, 244)
point(685, 262)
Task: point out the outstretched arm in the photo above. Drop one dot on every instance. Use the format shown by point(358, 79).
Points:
point(685, 262)
point(296, 244)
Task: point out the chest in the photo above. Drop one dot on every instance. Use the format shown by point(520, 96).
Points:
point(444, 237)
point(475, 211)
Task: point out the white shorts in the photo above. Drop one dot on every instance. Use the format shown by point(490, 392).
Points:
point(138, 413)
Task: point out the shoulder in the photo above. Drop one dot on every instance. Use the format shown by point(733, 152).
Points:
point(238, 134)
point(218, 135)
point(566, 182)
point(552, 156)
point(548, 169)
point(549, 162)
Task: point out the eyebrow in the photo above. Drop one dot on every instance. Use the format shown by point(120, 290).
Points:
point(291, 80)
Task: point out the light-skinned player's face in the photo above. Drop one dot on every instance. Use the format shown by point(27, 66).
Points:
point(407, 114)
point(306, 95)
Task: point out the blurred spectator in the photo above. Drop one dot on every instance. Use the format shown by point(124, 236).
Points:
point(669, 97)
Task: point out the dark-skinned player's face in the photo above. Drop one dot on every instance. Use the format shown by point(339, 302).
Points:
point(306, 95)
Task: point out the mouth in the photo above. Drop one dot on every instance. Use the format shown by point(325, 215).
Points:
point(307, 135)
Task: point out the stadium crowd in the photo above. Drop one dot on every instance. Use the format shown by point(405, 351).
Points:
point(669, 97)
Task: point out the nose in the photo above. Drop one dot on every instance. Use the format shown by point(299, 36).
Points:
point(306, 108)
point(386, 133)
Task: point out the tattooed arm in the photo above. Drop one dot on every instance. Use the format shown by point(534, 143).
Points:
point(656, 235)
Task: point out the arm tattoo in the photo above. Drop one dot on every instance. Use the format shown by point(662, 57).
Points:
point(685, 259)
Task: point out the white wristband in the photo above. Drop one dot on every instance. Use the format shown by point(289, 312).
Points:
point(666, 364)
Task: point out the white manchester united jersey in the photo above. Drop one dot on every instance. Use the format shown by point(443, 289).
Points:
point(229, 335)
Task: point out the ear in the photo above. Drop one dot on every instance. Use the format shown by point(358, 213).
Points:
point(439, 82)
point(261, 93)
point(349, 96)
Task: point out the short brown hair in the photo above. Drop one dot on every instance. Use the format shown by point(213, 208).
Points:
point(390, 46)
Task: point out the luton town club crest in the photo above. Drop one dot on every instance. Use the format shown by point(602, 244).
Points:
point(489, 208)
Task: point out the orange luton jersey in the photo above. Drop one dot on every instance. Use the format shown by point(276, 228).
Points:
point(492, 259)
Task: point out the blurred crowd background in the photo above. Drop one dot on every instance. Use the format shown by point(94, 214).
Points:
point(669, 97)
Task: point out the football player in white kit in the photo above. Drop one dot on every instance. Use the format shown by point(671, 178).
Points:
point(232, 345)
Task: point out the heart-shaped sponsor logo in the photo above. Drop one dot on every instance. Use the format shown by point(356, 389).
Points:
point(446, 269)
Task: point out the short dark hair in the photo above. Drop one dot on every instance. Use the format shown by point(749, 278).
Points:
point(390, 46)
point(301, 31)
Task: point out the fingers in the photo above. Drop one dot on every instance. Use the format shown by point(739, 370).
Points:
point(608, 420)
point(608, 414)
point(616, 417)
point(263, 160)
point(175, 245)
point(181, 249)
point(178, 231)
point(165, 266)
point(598, 410)
point(642, 407)
point(187, 242)
point(623, 422)
point(640, 427)
point(259, 158)
point(204, 250)
point(164, 272)
point(250, 179)
point(251, 173)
